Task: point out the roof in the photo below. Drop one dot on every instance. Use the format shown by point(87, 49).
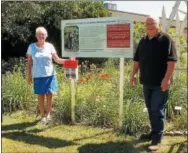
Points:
point(145, 15)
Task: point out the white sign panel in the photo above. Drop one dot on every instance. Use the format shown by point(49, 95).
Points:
point(97, 37)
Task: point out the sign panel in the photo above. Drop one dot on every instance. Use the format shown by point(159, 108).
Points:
point(97, 37)
point(71, 69)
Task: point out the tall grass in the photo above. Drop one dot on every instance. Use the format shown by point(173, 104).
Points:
point(97, 98)
point(178, 95)
point(16, 94)
point(135, 119)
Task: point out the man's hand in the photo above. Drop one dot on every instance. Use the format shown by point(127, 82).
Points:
point(133, 81)
point(29, 80)
point(165, 84)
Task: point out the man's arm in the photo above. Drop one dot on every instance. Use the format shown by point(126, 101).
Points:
point(170, 70)
point(133, 73)
point(168, 76)
point(172, 58)
point(135, 69)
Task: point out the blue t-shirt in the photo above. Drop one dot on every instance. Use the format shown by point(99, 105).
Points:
point(42, 60)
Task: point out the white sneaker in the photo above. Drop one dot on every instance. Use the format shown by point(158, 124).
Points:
point(43, 120)
point(48, 118)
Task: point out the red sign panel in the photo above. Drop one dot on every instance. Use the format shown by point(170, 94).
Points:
point(70, 64)
point(118, 35)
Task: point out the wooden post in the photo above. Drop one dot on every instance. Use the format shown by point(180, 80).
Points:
point(73, 100)
point(121, 92)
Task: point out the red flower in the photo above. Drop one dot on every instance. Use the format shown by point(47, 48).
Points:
point(90, 75)
point(101, 76)
point(82, 80)
point(104, 76)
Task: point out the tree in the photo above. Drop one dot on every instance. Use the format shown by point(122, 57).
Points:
point(20, 19)
point(139, 32)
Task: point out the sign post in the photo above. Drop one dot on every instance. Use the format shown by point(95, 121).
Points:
point(121, 92)
point(71, 72)
point(98, 37)
point(73, 101)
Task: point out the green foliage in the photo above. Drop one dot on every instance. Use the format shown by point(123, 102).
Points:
point(139, 32)
point(97, 102)
point(16, 94)
point(178, 95)
point(20, 19)
point(97, 98)
point(13, 64)
point(182, 48)
point(62, 100)
point(17, 19)
point(136, 121)
point(183, 60)
point(180, 121)
point(94, 104)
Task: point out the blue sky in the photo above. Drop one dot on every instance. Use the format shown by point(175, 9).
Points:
point(153, 8)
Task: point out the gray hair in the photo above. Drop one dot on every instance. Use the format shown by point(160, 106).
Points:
point(156, 19)
point(41, 29)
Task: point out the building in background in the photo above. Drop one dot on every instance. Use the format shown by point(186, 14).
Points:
point(112, 8)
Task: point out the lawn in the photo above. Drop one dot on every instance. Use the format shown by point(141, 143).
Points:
point(23, 133)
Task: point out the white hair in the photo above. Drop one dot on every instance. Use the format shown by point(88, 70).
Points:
point(156, 19)
point(41, 29)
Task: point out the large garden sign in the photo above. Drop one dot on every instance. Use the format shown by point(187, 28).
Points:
point(98, 38)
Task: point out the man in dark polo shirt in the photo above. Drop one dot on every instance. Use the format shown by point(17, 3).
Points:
point(155, 58)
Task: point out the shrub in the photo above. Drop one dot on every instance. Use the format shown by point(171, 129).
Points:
point(16, 94)
point(180, 121)
point(136, 121)
point(178, 95)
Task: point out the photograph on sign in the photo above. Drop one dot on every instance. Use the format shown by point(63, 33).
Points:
point(71, 38)
point(97, 37)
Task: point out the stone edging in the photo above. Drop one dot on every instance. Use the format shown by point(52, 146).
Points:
point(176, 133)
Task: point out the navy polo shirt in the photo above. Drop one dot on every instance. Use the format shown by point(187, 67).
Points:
point(153, 56)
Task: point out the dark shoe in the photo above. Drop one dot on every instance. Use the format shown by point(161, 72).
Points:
point(154, 146)
point(146, 137)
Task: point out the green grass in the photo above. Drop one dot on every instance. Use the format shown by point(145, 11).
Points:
point(23, 133)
